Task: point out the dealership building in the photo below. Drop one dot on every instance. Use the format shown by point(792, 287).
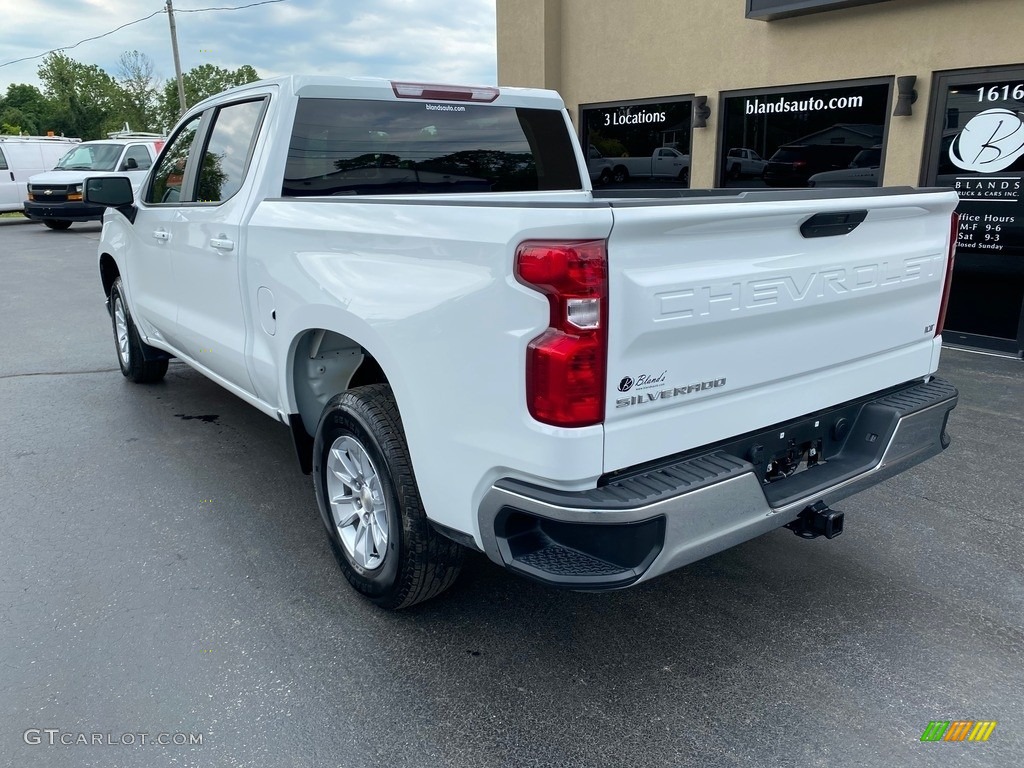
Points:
point(804, 93)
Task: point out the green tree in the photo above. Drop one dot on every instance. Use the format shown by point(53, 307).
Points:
point(24, 107)
point(200, 82)
point(85, 100)
point(138, 91)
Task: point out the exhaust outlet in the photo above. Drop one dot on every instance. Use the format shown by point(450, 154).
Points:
point(817, 520)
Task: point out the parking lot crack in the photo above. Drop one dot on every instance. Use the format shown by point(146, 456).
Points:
point(55, 373)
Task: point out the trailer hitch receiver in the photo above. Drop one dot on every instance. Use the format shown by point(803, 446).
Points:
point(818, 520)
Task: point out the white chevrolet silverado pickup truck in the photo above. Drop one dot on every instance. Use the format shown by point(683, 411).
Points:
point(473, 349)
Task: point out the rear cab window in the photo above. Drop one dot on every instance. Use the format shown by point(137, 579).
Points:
point(366, 147)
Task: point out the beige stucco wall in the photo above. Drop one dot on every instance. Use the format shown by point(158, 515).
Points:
point(607, 50)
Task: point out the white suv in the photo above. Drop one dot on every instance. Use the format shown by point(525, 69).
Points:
point(55, 197)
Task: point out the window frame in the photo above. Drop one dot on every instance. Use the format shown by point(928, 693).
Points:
point(721, 176)
point(151, 177)
point(205, 134)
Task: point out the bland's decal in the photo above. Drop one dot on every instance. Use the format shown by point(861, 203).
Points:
point(665, 394)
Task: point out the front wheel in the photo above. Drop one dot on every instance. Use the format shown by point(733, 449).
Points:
point(57, 224)
point(367, 494)
point(130, 355)
point(620, 174)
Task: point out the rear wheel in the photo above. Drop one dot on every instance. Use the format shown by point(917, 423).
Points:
point(58, 224)
point(370, 503)
point(130, 355)
point(620, 174)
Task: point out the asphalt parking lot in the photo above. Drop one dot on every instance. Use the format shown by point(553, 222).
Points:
point(163, 570)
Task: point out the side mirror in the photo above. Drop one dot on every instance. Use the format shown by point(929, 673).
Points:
point(131, 164)
point(111, 192)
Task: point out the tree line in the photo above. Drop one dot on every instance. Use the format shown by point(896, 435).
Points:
point(84, 101)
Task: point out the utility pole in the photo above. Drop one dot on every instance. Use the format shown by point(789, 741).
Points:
point(177, 62)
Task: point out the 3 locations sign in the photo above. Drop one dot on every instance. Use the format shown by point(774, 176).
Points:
point(977, 149)
point(828, 136)
point(639, 145)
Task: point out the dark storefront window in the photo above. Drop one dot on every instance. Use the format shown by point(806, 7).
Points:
point(827, 135)
point(976, 146)
point(638, 144)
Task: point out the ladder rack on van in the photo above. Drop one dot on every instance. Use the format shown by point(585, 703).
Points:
point(134, 135)
point(12, 137)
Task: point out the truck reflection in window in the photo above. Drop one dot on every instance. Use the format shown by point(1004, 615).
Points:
point(167, 178)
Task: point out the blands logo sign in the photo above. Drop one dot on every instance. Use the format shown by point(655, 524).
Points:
point(991, 141)
point(958, 730)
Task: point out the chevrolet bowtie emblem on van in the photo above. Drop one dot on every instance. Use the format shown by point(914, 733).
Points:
point(47, 191)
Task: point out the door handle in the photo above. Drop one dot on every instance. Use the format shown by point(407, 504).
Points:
point(161, 234)
point(222, 243)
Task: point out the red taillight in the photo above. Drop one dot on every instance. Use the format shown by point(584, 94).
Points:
point(565, 365)
point(954, 231)
point(481, 93)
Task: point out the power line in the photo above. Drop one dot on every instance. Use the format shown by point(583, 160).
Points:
point(226, 8)
point(137, 21)
point(69, 47)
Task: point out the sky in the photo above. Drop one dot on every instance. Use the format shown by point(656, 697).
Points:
point(442, 41)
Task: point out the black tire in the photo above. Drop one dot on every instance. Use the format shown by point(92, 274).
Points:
point(605, 176)
point(57, 224)
point(128, 345)
point(735, 172)
point(417, 563)
point(684, 176)
point(620, 174)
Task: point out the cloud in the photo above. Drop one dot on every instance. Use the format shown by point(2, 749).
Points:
point(428, 40)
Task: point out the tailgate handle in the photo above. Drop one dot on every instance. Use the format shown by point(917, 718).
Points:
point(832, 224)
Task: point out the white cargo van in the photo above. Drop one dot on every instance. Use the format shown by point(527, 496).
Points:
point(25, 156)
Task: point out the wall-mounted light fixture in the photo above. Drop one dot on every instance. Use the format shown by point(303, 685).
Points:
point(905, 95)
point(701, 111)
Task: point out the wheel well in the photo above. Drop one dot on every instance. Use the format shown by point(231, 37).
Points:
point(325, 364)
point(108, 272)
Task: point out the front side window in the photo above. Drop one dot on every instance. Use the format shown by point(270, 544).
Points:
point(91, 157)
point(354, 147)
point(140, 155)
point(3, 161)
point(165, 186)
point(227, 152)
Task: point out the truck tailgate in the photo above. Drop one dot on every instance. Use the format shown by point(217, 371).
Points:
point(725, 317)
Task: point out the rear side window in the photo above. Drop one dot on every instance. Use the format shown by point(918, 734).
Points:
point(3, 161)
point(353, 147)
point(227, 152)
